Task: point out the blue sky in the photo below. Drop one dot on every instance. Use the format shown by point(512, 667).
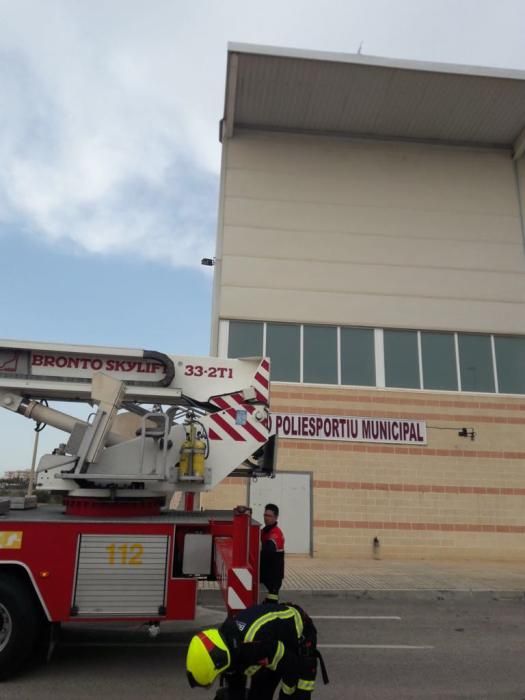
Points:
point(63, 296)
point(110, 157)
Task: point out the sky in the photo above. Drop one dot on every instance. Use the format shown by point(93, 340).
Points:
point(109, 151)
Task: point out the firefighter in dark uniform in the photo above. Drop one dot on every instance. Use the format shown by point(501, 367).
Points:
point(272, 554)
point(268, 644)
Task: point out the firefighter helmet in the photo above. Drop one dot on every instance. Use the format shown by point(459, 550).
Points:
point(208, 656)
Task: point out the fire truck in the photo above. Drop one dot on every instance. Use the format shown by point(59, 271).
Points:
point(127, 540)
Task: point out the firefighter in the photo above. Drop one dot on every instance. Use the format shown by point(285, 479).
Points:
point(272, 554)
point(268, 643)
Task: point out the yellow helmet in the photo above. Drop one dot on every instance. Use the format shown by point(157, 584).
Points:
point(208, 656)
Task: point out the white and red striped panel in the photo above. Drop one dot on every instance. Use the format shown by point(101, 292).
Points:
point(238, 584)
point(261, 382)
point(241, 592)
point(225, 425)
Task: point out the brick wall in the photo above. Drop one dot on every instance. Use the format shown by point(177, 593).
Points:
point(451, 499)
point(230, 493)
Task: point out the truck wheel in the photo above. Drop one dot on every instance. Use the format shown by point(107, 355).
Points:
point(20, 621)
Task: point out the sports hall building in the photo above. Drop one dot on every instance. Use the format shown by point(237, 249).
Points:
point(371, 241)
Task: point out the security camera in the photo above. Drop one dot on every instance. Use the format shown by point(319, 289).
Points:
point(208, 261)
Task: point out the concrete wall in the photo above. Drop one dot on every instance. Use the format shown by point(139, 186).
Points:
point(328, 230)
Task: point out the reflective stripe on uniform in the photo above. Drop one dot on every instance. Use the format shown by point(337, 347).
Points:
point(277, 657)
point(251, 670)
point(287, 689)
point(299, 625)
point(278, 615)
point(272, 596)
point(306, 685)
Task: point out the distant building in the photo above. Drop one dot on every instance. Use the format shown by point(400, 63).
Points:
point(17, 475)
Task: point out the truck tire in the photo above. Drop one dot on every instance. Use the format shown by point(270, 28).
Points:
point(20, 624)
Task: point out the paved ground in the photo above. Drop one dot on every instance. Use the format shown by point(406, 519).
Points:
point(395, 577)
point(307, 574)
point(375, 650)
point(389, 631)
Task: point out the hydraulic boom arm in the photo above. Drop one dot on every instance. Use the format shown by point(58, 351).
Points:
point(163, 423)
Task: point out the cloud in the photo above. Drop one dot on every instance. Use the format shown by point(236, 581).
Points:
point(101, 145)
point(110, 110)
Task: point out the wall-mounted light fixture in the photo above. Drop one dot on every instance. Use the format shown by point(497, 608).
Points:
point(467, 432)
point(462, 432)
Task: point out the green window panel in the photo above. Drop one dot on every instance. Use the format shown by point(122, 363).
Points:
point(320, 354)
point(510, 363)
point(358, 357)
point(439, 361)
point(245, 339)
point(283, 348)
point(401, 359)
point(475, 362)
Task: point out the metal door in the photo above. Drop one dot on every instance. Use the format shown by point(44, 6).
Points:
point(291, 491)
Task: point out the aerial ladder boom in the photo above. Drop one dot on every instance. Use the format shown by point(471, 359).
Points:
point(163, 423)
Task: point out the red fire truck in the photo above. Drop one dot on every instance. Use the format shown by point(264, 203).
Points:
point(161, 428)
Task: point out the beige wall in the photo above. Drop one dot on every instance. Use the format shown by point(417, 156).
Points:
point(450, 499)
point(229, 493)
point(327, 230)
point(318, 229)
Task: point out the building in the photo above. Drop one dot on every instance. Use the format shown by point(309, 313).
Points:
point(371, 240)
point(17, 475)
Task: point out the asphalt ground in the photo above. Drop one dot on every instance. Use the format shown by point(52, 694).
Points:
point(375, 649)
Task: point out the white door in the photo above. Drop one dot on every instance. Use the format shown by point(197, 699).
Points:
point(291, 491)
